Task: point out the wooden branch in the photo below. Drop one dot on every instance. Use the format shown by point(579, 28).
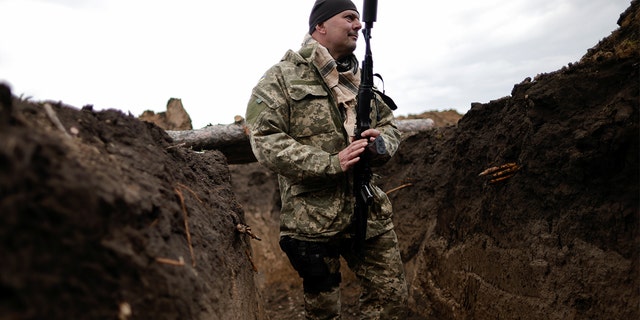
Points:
point(415, 125)
point(233, 139)
point(172, 262)
point(54, 119)
point(253, 265)
point(211, 137)
point(398, 188)
point(186, 225)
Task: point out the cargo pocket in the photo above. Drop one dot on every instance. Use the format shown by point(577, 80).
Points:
point(315, 207)
point(313, 121)
point(381, 208)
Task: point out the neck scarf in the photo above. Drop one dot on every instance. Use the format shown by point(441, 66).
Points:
point(343, 84)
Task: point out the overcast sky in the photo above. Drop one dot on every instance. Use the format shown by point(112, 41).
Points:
point(135, 55)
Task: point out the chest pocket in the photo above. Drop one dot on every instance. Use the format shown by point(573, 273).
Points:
point(311, 120)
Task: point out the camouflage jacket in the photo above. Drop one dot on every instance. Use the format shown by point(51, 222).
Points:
point(296, 130)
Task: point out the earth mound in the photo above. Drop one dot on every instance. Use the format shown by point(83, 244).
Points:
point(102, 217)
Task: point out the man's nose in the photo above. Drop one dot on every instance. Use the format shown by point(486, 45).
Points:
point(357, 25)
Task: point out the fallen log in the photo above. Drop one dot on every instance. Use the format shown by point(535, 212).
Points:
point(233, 139)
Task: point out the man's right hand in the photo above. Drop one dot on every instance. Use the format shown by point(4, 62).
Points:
point(350, 155)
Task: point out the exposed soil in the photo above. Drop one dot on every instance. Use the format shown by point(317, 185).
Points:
point(102, 216)
point(85, 217)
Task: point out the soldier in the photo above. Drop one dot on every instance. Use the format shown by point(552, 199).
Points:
point(301, 117)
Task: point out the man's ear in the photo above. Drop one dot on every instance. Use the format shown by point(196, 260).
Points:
point(321, 28)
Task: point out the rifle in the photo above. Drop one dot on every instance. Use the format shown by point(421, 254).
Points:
point(362, 169)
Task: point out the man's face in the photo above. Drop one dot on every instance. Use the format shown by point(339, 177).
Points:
point(341, 33)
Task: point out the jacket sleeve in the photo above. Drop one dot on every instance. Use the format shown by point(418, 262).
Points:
point(268, 120)
point(385, 123)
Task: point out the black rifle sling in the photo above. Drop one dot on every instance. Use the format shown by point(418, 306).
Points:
point(385, 97)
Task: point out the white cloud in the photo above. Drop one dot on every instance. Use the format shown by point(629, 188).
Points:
point(135, 55)
point(477, 51)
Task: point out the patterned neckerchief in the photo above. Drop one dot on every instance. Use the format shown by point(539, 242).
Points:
point(344, 85)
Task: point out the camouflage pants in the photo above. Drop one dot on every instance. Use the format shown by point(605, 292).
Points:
point(380, 273)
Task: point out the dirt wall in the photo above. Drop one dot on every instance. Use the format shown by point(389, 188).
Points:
point(557, 240)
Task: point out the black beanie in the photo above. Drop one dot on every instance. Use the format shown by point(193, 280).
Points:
point(323, 10)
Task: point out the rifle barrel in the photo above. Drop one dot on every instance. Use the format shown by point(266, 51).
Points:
point(369, 11)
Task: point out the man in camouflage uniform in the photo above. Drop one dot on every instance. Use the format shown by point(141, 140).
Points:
point(301, 117)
